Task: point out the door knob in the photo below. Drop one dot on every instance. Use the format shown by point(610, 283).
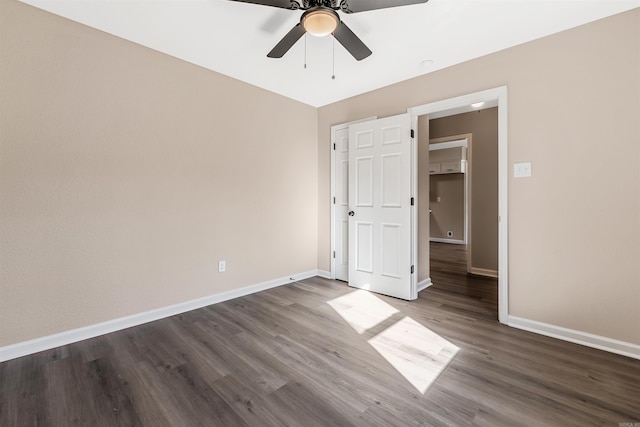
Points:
point(351, 213)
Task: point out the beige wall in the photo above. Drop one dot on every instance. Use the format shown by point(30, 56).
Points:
point(127, 174)
point(447, 214)
point(574, 232)
point(446, 193)
point(483, 125)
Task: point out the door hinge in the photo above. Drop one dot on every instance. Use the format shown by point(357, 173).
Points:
point(334, 146)
point(413, 134)
point(334, 200)
point(334, 254)
point(413, 201)
point(412, 269)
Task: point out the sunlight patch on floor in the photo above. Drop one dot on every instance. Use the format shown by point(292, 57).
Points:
point(362, 310)
point(417, 353)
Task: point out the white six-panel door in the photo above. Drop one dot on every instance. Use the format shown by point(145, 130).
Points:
point(380, 206)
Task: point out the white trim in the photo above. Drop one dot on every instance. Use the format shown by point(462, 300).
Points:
point(498, 94)
point(464, 109)
point(334, 129)
point(452, 241)
point(435, 146)
point(415, 286)
point(63, 338)
point(483, 272)
point(578, 337)
point(424, 284)
point(325, 274)
point(503, 206)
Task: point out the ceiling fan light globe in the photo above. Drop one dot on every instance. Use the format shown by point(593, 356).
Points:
point(320, 23)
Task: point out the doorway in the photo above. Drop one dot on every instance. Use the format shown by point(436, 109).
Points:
point(497, 97)
point(450, 189)
point(455, 203)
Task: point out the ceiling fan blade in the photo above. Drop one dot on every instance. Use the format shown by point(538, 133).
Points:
point(287, 42)
point(354, 6)
point(284, 4)
point(351, 42)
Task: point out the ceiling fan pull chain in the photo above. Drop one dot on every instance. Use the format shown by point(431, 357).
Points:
point(333, 44)
point(305, 51)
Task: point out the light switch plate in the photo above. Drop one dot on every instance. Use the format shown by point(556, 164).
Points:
point(522, 170)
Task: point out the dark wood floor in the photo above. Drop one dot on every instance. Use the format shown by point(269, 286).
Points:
point(448, 272)
point(285, 357)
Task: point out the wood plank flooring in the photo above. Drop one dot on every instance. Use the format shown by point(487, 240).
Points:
point(448, 270)
point(286, 357)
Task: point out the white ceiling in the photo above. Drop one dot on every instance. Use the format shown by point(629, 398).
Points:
point(234, 38)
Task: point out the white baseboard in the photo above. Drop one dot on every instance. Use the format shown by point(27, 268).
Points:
point(63, 338)
point(454, 241)
point(578, 337)
point(484, 272)
point(424, 284)
point(324, 274)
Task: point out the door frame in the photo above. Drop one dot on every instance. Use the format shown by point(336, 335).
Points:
point(459, 105)
point(452, 142)
point(334, 129)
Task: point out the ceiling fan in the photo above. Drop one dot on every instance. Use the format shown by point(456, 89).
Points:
point(321, 19)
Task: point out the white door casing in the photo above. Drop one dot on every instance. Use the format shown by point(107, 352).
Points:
point(380, 234)
point(342, 204)
point(496, 96)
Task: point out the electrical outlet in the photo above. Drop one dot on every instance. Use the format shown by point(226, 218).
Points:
point(222, 266)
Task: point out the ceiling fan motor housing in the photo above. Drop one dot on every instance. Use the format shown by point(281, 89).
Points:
point(308, 4)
